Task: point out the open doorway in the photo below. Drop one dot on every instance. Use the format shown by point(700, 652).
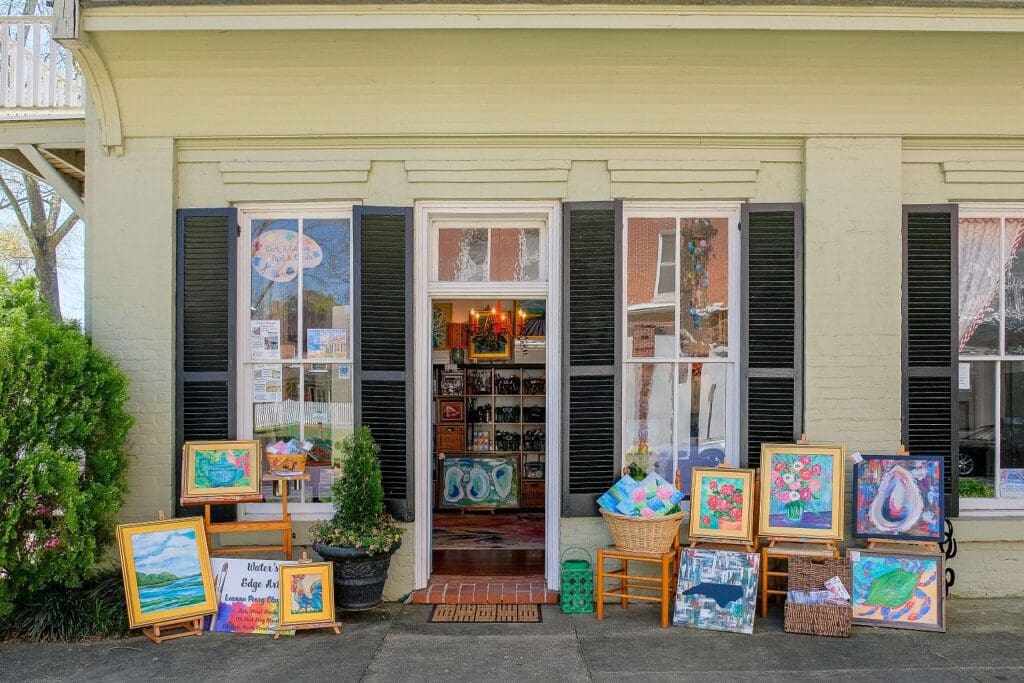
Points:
point(488, 448)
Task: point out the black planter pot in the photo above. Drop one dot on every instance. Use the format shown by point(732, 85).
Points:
point(358, 577)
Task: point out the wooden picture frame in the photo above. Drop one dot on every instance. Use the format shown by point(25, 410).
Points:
point(451, 410)
point(527, 311)
point(166, 569)
point(441, 316)
point(221, 472)
point(913, 597)
point(307, 594)
point(816, 512)
point(722, 504)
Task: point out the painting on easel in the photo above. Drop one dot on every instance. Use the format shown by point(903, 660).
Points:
point(898, 590)
point(802, 491)
point(721, 504)
point(899, 497)
point(307, 594)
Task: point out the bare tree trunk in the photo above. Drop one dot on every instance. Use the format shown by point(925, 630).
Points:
point(46, 277)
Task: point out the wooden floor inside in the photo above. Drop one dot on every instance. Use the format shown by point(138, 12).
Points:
point(493, 562)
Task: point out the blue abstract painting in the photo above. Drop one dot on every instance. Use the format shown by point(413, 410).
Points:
point(717, 590)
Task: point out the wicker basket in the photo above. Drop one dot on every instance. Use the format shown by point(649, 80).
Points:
point(639, 535)
point(811, 573)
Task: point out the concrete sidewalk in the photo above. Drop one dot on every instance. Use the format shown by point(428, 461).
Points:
point(985, 642)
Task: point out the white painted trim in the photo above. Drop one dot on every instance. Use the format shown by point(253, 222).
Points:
point(572, 17)
point(424, 290)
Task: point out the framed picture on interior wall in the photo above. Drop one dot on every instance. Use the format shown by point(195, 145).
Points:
point(452, 383)
point(486, 343)
point(530, 318)
point(221, 471)
point(802, 490)
point(899, 497)
point(451, 410)
point(166, 570)
point(442, 316)
point(898, 590)
point(722, 504)
point(479, 482)
point(307, 594)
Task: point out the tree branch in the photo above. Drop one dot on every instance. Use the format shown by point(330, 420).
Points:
point(15, 204)
point(62, 231)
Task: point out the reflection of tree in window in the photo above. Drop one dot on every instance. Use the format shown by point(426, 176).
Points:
point(703, 286)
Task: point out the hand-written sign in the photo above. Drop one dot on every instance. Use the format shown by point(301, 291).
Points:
point(248, 592)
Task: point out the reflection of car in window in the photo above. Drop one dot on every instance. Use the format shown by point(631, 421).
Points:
point(977, 452)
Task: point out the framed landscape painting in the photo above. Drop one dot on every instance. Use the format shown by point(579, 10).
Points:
point(221, 471)
point(722, 504)
point(898, 590)
point(166, 570)
point(899, 497)
point(802, 490)
point(307, 594)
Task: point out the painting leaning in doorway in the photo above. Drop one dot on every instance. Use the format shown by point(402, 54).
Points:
point(802, 491)
point(166, 569)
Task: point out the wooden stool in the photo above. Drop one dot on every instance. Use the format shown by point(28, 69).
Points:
point(628, 584)
point(782, 553)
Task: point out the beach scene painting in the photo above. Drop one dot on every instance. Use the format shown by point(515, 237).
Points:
point(802, 491)
point(166, 567)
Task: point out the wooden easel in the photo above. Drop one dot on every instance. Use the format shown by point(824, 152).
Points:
point(179, 628)
point(333, 625)
point(728, 544)
point(898, 543)
point(804, 547)
point(282, 525)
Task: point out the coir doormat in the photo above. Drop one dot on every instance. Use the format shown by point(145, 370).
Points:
point(485, 614)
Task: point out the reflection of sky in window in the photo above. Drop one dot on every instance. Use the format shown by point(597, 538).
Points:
point(331, 276)
point(264, 291)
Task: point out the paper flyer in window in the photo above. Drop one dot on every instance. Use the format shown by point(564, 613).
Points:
point(1011, 483)
point(267, 384)
point(327, 343)
point(265, 340)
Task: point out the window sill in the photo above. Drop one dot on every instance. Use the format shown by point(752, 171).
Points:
point(991, 507)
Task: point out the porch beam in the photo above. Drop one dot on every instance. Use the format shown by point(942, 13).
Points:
point(54, 178)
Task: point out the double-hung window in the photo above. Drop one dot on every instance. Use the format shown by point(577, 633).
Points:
point(295, 342)
point(681, 341)
point(991, 348)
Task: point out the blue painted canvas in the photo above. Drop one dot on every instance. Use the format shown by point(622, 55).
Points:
point(717, 590)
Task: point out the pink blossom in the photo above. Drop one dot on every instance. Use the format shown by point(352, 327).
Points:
point(728, 489)
point(816, 469)
point(805, 460)
point(639, 495)
point(783, 497)
point(647, 513)
point(793, 485)
point(664, 492)
point(814, 485)
point(778, 482)
point(805, 494)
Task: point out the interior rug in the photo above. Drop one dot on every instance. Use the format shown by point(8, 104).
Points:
point(523, 531)
point(485, 614)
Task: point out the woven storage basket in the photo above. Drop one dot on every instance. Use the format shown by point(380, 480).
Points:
point(639, 535)
point(810, 574)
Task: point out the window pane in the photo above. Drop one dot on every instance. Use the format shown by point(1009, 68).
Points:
point(977, 418)
point(701, 409)
point(1011, 451)
point(275, 410)
point(462, 255)
point(326, 302)
point(1014, 279)
point(275, 286)
point(704, 287)
point(328, 407)
point(667, 263)
point(515, 255)
point(650, 315)
point(979, 286)
point(647, 404)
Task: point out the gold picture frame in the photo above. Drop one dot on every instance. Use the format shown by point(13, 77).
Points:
point(166, 570)
point(816, 511)
point(307, 594)
point(722, 504)
point(221, 472)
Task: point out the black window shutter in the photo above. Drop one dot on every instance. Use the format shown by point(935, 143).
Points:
point(382, 302)
point(930, 328)
point(591, 323)
point(771, 382)
point(205, 324)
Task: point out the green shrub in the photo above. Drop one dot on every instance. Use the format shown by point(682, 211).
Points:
point(93, 610)
point(972, 488)
point(62, 449)
point(359, 519)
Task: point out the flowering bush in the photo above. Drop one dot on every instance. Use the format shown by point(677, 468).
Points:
point(62, 457)
point(359, 519)
point(796, 484)
point(725, 503)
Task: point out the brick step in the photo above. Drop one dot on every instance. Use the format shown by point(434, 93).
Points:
point(466, 590)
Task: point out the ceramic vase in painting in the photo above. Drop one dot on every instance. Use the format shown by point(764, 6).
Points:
point(899, 497)
point(801, 491)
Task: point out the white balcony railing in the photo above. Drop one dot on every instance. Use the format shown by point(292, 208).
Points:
point(38, 76)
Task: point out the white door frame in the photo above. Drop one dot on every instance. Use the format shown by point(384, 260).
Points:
point(424, 289)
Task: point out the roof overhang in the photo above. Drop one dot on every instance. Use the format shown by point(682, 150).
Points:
point(999, 16)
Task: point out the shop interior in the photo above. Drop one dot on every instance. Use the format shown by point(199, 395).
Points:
point(489, 426)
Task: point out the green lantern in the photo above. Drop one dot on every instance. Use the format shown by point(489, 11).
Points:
point(576, 583)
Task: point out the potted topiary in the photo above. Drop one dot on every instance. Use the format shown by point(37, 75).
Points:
point(361, 537)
